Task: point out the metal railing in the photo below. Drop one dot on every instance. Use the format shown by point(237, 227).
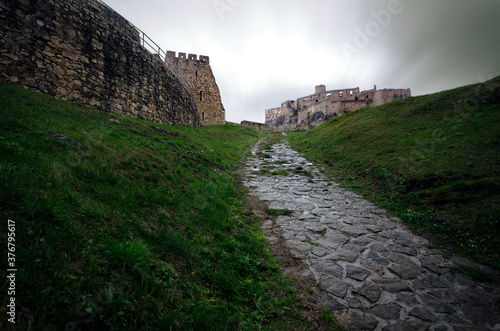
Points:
point(146, 42)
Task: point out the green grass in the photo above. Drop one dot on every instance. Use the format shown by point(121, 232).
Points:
point(279, 212)
point(433, 160)
point(140, 226)
point(301, 171)
point(279, 173)
point(473, 272)
point(265, 155)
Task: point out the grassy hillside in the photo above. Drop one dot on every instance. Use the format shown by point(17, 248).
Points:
point(433, 160)
point(122, 223)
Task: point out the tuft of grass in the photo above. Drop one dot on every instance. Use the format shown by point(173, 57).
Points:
point(473, 272)
point(301, 171)
point(265, 155)
point(279, 173)
point(279, 212)
point(138, 225)
point(328, 317)
point(437, 155)
point(264, 172)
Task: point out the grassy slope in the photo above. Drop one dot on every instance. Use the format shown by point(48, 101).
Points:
point(434, 160)
point(133, 228)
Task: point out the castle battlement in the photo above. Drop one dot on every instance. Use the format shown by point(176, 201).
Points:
point(189, 57)
point(197, 71)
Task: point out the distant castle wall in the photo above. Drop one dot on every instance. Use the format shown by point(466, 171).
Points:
point(256, 126)
point(313, 110)
point(83, 51)
point(253, 125)
point(203, 86)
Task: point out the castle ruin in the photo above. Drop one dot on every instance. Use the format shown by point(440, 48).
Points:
point(313, 110)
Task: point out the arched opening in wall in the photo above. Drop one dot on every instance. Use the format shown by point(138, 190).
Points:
point(201, 95)
point(350, 92)
point(202, 116)
point(340, 94)
point(356, 98)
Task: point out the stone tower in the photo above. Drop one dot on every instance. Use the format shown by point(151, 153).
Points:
point(200, 77)
point(320, 89)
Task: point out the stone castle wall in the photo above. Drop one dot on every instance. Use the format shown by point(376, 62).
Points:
point(203, 86)
point(252, 125)
point(256, 126)
point(83, 51)
point(313, 110)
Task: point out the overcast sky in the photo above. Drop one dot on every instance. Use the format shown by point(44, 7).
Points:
point(264, 52)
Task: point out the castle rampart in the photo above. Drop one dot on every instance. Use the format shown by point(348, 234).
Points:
point(83, 51)
point(312, 110)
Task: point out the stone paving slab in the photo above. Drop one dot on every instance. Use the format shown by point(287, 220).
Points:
point(371, 271)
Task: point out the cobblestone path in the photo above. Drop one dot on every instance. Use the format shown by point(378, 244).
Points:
point(372, 272)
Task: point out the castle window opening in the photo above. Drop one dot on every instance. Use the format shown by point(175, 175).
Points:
point(350, 92)
point(196, 74)
point(203, 116)
point(329, 95)
point(340, 94)
point(317, 100)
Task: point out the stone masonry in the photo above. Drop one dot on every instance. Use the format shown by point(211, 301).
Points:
point(83, 51)
point(313, 110)
point(253, 125)
point(371, 271)
point(203, 86)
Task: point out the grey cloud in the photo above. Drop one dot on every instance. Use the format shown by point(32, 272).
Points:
point(429, 46)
